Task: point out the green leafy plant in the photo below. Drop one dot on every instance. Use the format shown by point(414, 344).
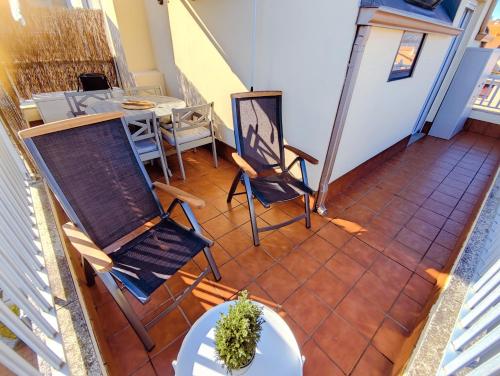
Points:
point(237, 333)
point(6, 332)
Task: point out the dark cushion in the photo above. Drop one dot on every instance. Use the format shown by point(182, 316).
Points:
point(145, 263)
point(278, 188)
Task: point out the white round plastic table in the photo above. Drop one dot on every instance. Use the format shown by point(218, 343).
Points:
point(277, 351)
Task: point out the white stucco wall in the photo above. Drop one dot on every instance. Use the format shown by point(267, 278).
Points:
point(130, 41)
point(381, 112)
point(487, 116)
point(204, 50)
point(133, 25)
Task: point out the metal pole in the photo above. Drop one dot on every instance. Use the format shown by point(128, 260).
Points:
point(254, 47)
point(341, 115)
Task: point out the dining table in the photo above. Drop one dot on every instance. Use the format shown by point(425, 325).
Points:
point(163, 106)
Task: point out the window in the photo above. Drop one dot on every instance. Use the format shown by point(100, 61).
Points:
point(409, 48)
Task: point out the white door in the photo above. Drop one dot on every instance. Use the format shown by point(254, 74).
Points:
point(464, 22)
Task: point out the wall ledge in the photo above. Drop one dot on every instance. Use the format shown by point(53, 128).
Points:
point(395, 19)
point(485, 115)
point(77, 338)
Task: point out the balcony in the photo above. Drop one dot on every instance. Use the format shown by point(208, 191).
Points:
point(355, 289)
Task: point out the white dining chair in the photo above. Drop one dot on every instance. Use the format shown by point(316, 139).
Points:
point(52, 109)
point(191, 127)
point(147, 140)
point(155, 90)
point(78, 101)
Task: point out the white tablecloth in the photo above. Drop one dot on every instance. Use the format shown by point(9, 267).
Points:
point(163, 108)
point(277, 353)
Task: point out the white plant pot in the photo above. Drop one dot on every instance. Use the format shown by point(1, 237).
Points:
point(242, 371)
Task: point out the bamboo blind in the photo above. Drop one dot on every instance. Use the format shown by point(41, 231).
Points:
point(54, 46)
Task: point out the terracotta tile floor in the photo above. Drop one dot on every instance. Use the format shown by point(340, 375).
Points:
point(352, 287)
point(26, 353)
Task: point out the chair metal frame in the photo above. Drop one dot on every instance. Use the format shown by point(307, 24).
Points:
point(147, 127)
point(246, 171)
point(77, 99)
point(91, 268)
point(185, 119)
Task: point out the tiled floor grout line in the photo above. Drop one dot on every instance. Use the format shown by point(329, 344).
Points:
point(351, 288)
point(403, 161)
point(458, 201)
point(332, 310)
point(441, 228)
point(150, 357)
point(433, 240)
point(386, 314)
point(301, 286)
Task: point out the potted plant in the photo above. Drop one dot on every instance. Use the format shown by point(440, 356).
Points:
point(237, 334)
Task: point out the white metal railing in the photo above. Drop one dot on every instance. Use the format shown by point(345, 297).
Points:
point(489, 97)
point(23, 278)
point(474, 347)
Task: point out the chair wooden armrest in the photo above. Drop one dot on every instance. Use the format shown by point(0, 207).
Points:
point(99, 260)
point(192, 200)
point(244, 165)
point(302, 155)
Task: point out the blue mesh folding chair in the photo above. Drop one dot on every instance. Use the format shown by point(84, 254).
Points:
point(117, 222)
point(258, 132)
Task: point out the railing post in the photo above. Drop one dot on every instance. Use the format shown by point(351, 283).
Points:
point(10, 359)
point(491, 101)
point(20, 329)
point(475, 340)
point(23, 277)
point(16, 272)
point(27, 252)
point(31, 311)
